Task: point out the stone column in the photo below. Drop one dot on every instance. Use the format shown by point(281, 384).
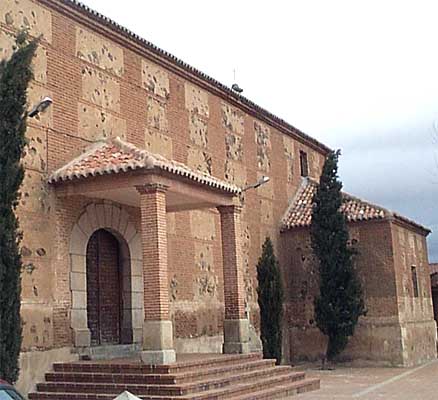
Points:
point(157, 328)
point(236, 324)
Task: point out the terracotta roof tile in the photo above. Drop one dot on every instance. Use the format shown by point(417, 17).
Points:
point(114, 156)
point(299, 213)
point(433, 268)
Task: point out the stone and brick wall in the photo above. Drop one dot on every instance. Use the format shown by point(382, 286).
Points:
point(397, 327)
point(104, 85)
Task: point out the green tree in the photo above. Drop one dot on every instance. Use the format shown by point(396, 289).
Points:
point(15, 75)
point(340, 301)
point(270, 299)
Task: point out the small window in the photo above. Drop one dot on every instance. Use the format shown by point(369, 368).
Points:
point(303, 164)
point(414, 280)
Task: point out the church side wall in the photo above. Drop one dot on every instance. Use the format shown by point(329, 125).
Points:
point(104, 85)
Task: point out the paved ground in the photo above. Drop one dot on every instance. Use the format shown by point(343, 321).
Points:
point(376, 383)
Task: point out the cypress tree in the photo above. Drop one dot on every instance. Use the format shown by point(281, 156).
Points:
point(340, 301)
point(270, 299)
point(15, 75)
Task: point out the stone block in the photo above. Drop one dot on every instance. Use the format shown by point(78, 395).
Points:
point(136, 267)
point(235, 172)
point(82, 337)
point(232, 119)
point(158, 357)
point(266, 212)
point(154, 79)
point(199, 160)
point(198, 130)
point(236, 336)
point(34, 193)
point(37, 326)
point(108, 211)
point(135, 246)
point(25, 14)
point(171, 223)
point(138, 317)
point(196, 100)
point(158, 335)
point(157, 115)
point(206, 282)
point(264, 146)
point(100, 215)
point(78, 281)
point(37, 280)
point(78, 263)
point(85, 224)
point(137, 335)
point(96, 124)
point(79, 300)
point(78, 319)
point(124, 221)
point(115, 217)
point(159, 143)
point(100, 88)
point(39, 62)
point(91, 214)
point(289, 152)
point(233, 147)
point(35, 152)
point(137, 301)
point(99, 51)
point(203, 225)
point(137, 284)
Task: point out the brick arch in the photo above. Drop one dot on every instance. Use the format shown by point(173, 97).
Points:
point(117, 221)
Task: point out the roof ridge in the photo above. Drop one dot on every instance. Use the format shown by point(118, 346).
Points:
point(298, 213)
point(91, 13)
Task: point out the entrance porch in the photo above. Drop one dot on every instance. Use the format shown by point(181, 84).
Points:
point(119, 272)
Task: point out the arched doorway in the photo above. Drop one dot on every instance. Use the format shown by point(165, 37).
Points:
point(104, 288)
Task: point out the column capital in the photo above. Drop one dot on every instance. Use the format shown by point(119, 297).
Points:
point(232, 209)
point(151, 188)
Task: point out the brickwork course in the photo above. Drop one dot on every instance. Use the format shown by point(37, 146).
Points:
point(175, 148)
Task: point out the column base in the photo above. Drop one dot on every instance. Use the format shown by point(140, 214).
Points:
point(236, 336)
point(158, 357)
point(236, 348)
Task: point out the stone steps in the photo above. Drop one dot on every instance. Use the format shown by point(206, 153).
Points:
point(152, 378)
point(236, 377)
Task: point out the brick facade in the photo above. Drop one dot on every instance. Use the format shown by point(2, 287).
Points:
point(105, 83)
point(398, 328)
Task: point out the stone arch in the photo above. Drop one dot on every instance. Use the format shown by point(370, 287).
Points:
point(113, 218)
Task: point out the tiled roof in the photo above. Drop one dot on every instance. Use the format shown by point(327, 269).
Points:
point(89, 12)
point(117, 156)
point(433, 268)
point(299, 212)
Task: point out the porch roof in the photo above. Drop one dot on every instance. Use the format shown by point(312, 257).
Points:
point(115, 156)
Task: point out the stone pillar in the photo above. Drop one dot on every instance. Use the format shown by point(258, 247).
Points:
point(157, 328)
point(236, 324)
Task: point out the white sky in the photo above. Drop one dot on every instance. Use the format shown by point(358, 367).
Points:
point(357, 75)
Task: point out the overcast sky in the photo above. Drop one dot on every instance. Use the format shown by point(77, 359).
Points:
point(357, 75)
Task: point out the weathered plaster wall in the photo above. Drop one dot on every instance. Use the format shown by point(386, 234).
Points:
point(382, 336)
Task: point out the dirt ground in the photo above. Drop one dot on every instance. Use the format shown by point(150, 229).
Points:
point(376, 383)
